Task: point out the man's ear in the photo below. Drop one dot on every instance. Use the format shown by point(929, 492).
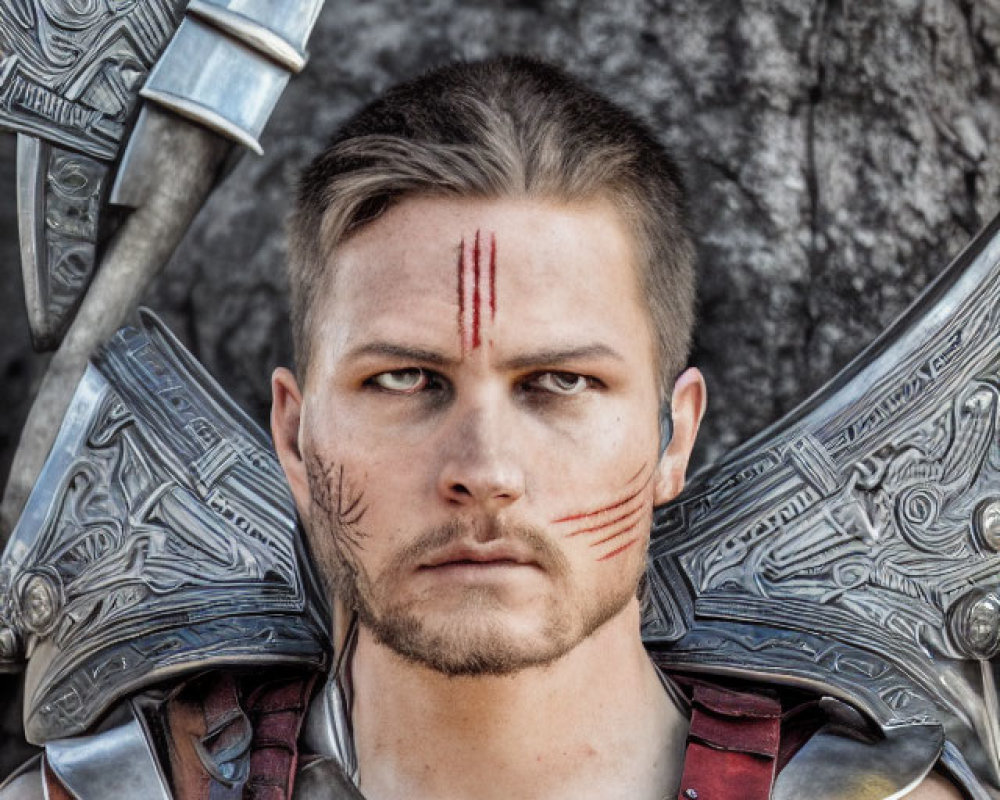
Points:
point(687, 407)
point(286, 417)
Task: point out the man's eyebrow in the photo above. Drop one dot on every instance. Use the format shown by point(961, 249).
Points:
point(560, 355)
point(401, 352)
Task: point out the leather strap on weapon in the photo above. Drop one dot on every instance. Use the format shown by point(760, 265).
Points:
point(233, 742)
point(733, 745)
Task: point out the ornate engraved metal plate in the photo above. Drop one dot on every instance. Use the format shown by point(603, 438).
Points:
point(853, 547)
point(60, 194)
point(69, 72)
point(69, 80)
point(160, 538)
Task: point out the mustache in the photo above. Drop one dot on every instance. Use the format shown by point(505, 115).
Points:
point(482, 530)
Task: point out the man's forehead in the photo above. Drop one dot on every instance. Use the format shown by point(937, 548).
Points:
point(421, 239)
point(469, 267)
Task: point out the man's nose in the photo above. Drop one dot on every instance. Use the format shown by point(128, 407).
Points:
point(481, 467)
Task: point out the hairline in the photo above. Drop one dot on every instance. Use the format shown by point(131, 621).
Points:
point(642, 260)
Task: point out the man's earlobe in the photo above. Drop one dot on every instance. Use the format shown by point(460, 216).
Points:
point(687, 407)
point(286, 418)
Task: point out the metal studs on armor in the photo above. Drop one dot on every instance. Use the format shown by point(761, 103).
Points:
point(39, 602)
point(975, 625)
point(987, 523)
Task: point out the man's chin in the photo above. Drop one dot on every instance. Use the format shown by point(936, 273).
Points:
point(486, 637)
point(489, 643)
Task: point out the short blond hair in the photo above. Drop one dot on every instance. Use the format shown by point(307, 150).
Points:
point(506, 127)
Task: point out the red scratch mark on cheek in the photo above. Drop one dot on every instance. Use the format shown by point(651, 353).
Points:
point(614, 506)
point(605, 525)
point(612, 523)
point(620, 532)
point(618, 551)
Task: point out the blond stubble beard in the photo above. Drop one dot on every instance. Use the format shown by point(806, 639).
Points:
point(473, 644)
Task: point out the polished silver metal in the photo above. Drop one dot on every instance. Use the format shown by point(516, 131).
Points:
point(327, 730)
point(232, 92)
point(851, 547)
point(182, 173)
point(835, 766)
point(160, 539)
point(323, 779)
point(25, 782)
point(59, 197)
point(953, 764)
point(117, 763)
point(69, 80)
point(278, 30)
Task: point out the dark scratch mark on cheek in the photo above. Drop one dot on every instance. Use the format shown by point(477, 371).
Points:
point(340, 502)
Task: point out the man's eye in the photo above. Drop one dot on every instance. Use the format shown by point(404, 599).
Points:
point(563, 383)
point(401, 381)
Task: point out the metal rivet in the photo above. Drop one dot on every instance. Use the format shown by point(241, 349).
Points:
point(39, 603)
point(691, 794)
point(987, 523)
point(975, 625)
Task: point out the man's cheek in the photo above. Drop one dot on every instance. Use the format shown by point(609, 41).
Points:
point(613, 527)
point(338, 499)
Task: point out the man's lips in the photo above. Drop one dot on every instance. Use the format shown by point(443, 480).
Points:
point(486, 554)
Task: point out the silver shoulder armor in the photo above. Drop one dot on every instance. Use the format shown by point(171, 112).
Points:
point(852, 548)
point(160, 539)
point(25, 783)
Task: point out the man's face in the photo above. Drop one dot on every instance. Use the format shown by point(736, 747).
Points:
point(477, 448)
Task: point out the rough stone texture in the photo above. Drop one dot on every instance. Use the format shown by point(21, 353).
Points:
point(838, 154)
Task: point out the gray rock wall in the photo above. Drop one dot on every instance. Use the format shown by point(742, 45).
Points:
point(838, 154)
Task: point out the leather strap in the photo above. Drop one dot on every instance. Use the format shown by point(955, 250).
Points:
point(733, 745)
point(232, 739)
point(277, 711)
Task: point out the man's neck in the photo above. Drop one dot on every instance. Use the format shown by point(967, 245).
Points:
point(595, 723)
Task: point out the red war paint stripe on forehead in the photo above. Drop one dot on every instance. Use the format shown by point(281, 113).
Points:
point(476, 300)
point(493, 276)
point(461, 294)
point(619, 550)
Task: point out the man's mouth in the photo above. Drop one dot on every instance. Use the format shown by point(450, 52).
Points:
point(489, 554)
